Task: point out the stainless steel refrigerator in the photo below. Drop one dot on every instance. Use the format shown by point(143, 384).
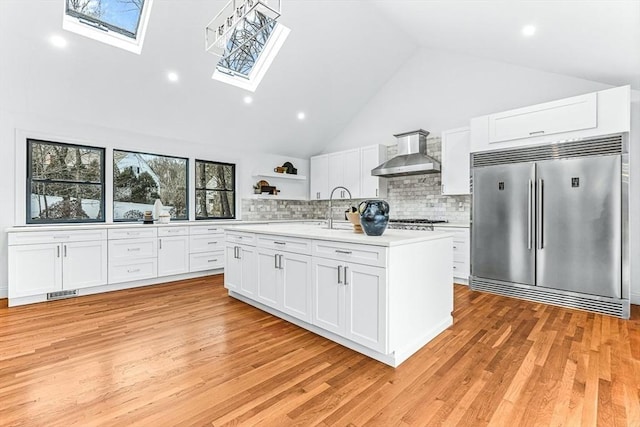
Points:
point(548, 223)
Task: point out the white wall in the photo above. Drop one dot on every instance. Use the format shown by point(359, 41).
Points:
point(437, 90)
point(15, 127)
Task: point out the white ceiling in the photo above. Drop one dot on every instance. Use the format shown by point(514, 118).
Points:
point(338, 55)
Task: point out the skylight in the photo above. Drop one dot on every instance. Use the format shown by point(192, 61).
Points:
point(120, 23)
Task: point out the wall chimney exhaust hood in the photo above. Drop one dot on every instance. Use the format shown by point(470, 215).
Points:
point(412, 158)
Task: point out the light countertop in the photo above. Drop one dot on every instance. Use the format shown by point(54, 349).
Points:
point(389, 237)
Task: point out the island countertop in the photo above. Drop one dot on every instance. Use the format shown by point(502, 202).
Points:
point(389, 238)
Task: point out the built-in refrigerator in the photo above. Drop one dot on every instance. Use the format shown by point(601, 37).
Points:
point(548, 224)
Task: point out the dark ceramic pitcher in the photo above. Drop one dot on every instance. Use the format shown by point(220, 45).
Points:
point(374, 216)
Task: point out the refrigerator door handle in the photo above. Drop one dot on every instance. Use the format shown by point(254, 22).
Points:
point(529, 215)
point(540, 218)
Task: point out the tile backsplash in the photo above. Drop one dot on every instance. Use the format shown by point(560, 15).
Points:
point(416, 196)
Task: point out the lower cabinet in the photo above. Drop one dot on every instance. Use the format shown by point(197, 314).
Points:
point(350, 300)
point(284, 282)
point(173, 255)
point(240, 273)
point(41, 268)
point(461, 252)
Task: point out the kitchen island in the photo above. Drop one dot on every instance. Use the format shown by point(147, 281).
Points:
point(383, 296)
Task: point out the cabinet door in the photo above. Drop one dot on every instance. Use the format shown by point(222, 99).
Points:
point(328, 296)
point(344, 170)
point(455, 161)
point(370, 157)
point(319, 177)
point(84, 264)
point(249, 273)
point(296, 285)
point(232, 268)
point(34, 269)
point(173, 255)
point(268, 276)
point(366, 315)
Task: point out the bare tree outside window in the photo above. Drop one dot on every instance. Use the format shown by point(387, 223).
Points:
point(215, 190)
point(122, 16)
point(65, 183)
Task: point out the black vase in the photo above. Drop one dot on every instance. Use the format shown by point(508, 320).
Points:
point(374, 216)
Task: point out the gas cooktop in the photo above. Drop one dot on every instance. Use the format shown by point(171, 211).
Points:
point(418, 221)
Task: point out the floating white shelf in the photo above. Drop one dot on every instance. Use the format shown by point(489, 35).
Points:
point(280, 175)
point(272, 197)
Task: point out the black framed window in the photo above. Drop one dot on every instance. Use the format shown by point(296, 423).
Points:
point(141, 178)
point(215, 190)
point(65, 182)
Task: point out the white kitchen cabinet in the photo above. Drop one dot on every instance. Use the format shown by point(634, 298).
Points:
point(455, 161)
point(133, 254)
point(173, 255)
point(41, 266)
point(564, 115)
point(319, 177)
point(206, 248)
point(240, 272)
point(372, 186)
point(461, 252)
point(350, 300)
point(344, 171)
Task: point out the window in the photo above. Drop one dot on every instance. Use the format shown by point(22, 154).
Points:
point(215, 190)
point(139, 179)
point(65, 183)
point(120, 23)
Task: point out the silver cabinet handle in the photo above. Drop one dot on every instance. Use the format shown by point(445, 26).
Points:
point(343, 252)
point(65, 250)
point(280, 262)
point(280, 243)
point(540, 213)
point(132, 233)
point(239, 252)
point(135, 270)
point(537, 132)
point(529, 191)
point(346, 275)
point(211, 243)
point(339, 274)
point(376, 192)
point(58, 251)
point(212, 260)
point(160, 243)
point(132, 249)
point(275, 260)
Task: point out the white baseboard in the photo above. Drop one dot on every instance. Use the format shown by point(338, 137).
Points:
point(635, 298)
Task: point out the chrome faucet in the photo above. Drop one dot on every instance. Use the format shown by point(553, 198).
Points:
point(329, 219)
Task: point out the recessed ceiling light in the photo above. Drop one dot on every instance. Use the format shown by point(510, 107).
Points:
point(528, 30)
point(301, 115)
point(172, 76)
point(58, 41)
point(247, 99)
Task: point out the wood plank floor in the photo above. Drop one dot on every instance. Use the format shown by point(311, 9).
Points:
point(186, 354)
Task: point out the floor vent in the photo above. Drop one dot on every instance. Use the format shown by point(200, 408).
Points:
point(62, 294)
point(610, 306)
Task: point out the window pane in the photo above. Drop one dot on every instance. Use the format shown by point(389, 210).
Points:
point(214, 176)
point(65, 162)
point(215, 204)
point(63, 201)
point(139, 179)
point(122, 16)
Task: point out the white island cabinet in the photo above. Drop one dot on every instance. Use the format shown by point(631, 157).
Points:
point(384, 296)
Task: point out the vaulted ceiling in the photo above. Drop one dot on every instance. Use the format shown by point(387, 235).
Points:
point(339, 53)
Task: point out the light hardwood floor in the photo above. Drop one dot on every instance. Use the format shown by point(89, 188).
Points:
point(185, 353)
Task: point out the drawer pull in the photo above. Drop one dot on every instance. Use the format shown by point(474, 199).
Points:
point(455, 268)
point(132, 233)
point(60, 237)
point(280, 243)
point(339, 251)
point(212, 243)
point(537, 132)
point(212, 260)
point(455, 247)
point(135, 270)
point(133, 249)
point(212, 229)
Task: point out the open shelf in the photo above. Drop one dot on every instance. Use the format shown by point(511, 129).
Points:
point(280, 175)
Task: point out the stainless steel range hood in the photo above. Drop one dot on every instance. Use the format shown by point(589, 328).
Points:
point(412, 158)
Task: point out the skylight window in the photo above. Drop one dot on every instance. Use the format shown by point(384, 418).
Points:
point(120, 23)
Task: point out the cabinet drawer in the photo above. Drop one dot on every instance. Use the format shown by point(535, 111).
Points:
point(36, 237)
point(133, 270)
point(132, 233)
point(206, 243)
point(132, 249)
point(362, 254)
point(285, 244)
point(205, 229)
point(172, 231)
point(206, 261)
point(240, 237)
point(460, 269)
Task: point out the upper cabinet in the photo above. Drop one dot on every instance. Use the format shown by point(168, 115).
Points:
point(565, 115)
point(455, 161)
point(370, 157)
point(594, 114)
point(350, 169)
